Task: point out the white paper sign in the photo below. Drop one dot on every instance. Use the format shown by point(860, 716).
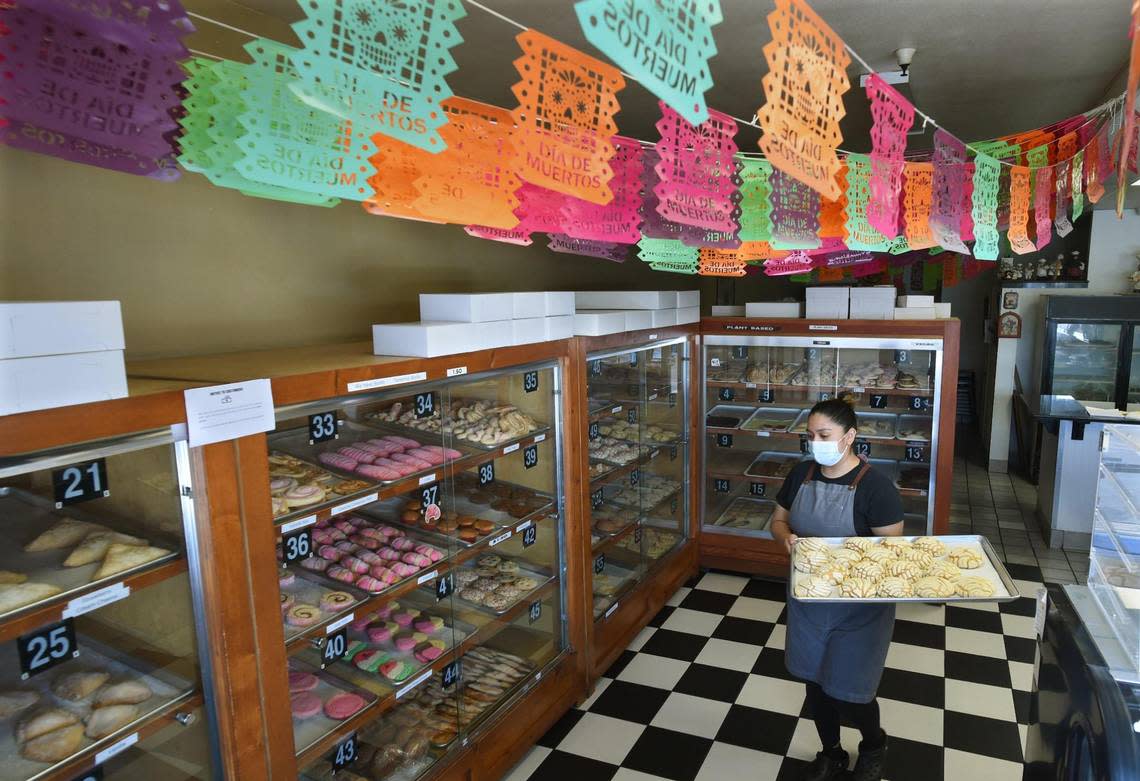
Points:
point(220, 412)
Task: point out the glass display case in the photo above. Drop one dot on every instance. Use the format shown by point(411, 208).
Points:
point(101, 621)
point(421, 549)
point(757, 394)
point(638, 438)
point(1090, 349)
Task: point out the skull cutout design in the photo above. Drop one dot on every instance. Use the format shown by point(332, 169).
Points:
point(383, 36)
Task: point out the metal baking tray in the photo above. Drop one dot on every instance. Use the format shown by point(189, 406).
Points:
point(27, 516)
point(644, 451)
point(307, 732)
point(526, 569)
point(731, 410)
point(991, 568)
point(295, 442)
point(783, 417)
point(453, 441)
point(307, 589)
point(93, 655)
point(416, 534)
point(772, 456)
point(763, 507)
point(916, 423)
point(891, 420)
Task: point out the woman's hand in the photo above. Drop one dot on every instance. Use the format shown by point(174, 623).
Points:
point(790, 541)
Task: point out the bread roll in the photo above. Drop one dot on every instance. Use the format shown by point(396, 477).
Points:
point(42, 722)
point(53, 746)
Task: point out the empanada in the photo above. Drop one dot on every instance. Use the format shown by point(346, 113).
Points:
point(9, 578)
point(121, 558)
point(19, 595)
point(94, 547)
point(63, 534)
point(76, 686)
point(103, 721)
point(42, 722)
point(12, 702)
point(53, 746)
point(124, 693)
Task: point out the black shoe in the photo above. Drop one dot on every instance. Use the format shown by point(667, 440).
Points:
point(869, 765)
point(826, 766)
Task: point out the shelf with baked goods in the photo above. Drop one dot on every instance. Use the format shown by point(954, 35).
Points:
point(781, 390)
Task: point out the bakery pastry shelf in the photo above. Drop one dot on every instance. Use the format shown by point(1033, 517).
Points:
point(608, 409)
point(747, 514)
point(619, 472)
point(311, 691)
point(507, 422)
point(470, 595)
point(780, 388)
point(115, 694)
point(611, 585)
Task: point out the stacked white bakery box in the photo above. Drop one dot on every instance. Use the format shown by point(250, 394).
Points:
point(853, 303)
point(55, 353)
point(465, 322)
point(600, 312)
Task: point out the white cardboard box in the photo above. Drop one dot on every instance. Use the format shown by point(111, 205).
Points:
point(466, 307)
point(688, 298)
point(773, 309)
point(873, 303)
point(30, 328)
point(827, 303)
point(559, 303)
point(905, 301)
point(46, 381)
point(430, 339)
point(664, 317)
point(637, 319)
point(688, 314)
point(528, 330)
point(914, 313)
point(942, 311)
point(728, 311)
point(527, 305)
point(625, 299)
point(599, 323)
point(560, 327)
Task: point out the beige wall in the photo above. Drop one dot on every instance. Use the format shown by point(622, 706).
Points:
point(201, 269)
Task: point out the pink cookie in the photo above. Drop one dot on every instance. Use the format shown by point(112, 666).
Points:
point(341, 706)
point(338, 461)
point(433, 458)
point(428, 652)
point(378, 472)
point(404, 642)
point(305, 705)
point(405, 442)
point(404, 570)
point(403, 618)
point(381, 633)
point(428, 624)
point(302, 681)
point(341, 573)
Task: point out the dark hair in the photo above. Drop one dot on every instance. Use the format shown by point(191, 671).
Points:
point(837, 411)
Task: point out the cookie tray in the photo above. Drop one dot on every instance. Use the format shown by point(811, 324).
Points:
point(992, 569)
point(295, 442)
point(449, 440)
point(416, 534)
point(542, 575)
point(307, 588)
point(165, 685)
point(27, 515)
point(309, 731)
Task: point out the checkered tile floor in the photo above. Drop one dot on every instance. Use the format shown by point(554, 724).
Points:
point(702, 694)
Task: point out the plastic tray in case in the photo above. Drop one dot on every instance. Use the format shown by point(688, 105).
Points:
point(992, 569)
point(541, 575)
point(771, 419)
point(727, 416)
point(453, 440)
point(26, 516)
point(872, 425)
point(418, 535)
point(771, 463)
point(311, 729)
point(914, 428)
point(596, 445)
point(747, 514)
point(308, 588)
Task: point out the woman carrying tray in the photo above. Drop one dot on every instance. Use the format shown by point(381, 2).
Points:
point(837, 649)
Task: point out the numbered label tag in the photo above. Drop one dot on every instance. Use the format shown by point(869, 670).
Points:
point(296, 546)
point(444, 586)
point(714, 363)
point(672, 452)
point(721, 486)
point(535, 611)
point(862, 448)
point(635, 477)
point(724, 440)
point(726, 394)
point(766, 396)
point(593, 431)
point(335, 646)
point(94, 774)
point(530, 534)
point(633, 359)
point(80, 483)
point(825, 396)
point(918, 403)
point(758, 489)
point(637, 536)
point(811, 354)
point(740, 352)
point(346, 752)
point(599, 563)
point(322, 427)
point(429, 495)
point(530, 456)
point(487, 473)
point(46, 647)
point(530, 382)
point(424, 405)
point(596, 498)
point(878, 401)
point(449, 675)
point(596, 368)
point(672, 399)
point(902, 356)
point(805, 446)
point(631, 416)
point(915, 453)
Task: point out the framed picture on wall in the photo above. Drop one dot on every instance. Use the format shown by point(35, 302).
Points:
point(1009, 300)
point(1009, 326)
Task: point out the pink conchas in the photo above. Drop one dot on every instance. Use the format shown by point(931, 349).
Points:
point(342, 574)
point(369, 556)
point(446, 452)
point(315, 564)
point(404, 570)
point(404, 458)
point(354, 564)
point(337, 535)
point(427, 455)
point(394, 466)
point(322, 537)
point(337, 460)
point(371, 543)
point(388, 554)
point(348, 546)
point(324, 523)
point(330, 552)
point(370, 584)
point(403, 543)
point(378, 472)
point(363, 456)
point(405, 442)
point(391, 531)
point(374, 449)
point(416, 559)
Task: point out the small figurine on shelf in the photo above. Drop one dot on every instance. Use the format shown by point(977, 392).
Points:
point(1042, 269)
point(1008, 271)
point(1057, 266)
point(1076, 265)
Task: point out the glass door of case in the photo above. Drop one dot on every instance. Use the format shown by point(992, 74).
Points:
point(422, 568)
point(758, 391)
point(638, 443)
point(1133, 367)
point(1085, 360)
point(99, 615)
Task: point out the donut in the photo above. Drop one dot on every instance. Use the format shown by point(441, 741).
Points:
point(301, 681)
point(336, 600)
point(305, 705)
point(337, 461)
point(304, 495)
point(279, 485)
point(287, 601)
point(341, 706)
point(302, 615)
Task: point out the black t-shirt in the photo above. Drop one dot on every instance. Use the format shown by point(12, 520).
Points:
point(877, 501)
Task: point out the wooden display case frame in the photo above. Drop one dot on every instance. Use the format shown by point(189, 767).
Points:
point(760, 556)
point(608, 636)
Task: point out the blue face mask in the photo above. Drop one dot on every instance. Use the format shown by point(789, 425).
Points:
point(827, 453)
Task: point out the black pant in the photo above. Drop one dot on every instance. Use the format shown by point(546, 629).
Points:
point(827, 712)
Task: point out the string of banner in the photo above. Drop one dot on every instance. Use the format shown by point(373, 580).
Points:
point(363, 112)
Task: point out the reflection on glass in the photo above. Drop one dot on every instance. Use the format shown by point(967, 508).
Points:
point(1085, 360)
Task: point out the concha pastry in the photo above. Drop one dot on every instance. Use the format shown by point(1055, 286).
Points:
point(965, 558)
point(861, 544)
point(834, 572)
point(896, 543)
point(895, 588)
point(858, 587)
point(944, 570)
point(845, 556)
point(880, 555)
point(904, 568)
point(974, 586)
point(867, 569)
point(805, 544)
point(808, 560)
point(813, 586)
point(919, 556)
point(932, 544)
point(933, 587)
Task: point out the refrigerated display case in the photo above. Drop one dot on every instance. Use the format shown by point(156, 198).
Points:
point(106, 664)
point(637, 437)
point(1090, 349)
point(760, 379)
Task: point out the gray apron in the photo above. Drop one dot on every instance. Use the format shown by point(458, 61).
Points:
point(841, 647)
